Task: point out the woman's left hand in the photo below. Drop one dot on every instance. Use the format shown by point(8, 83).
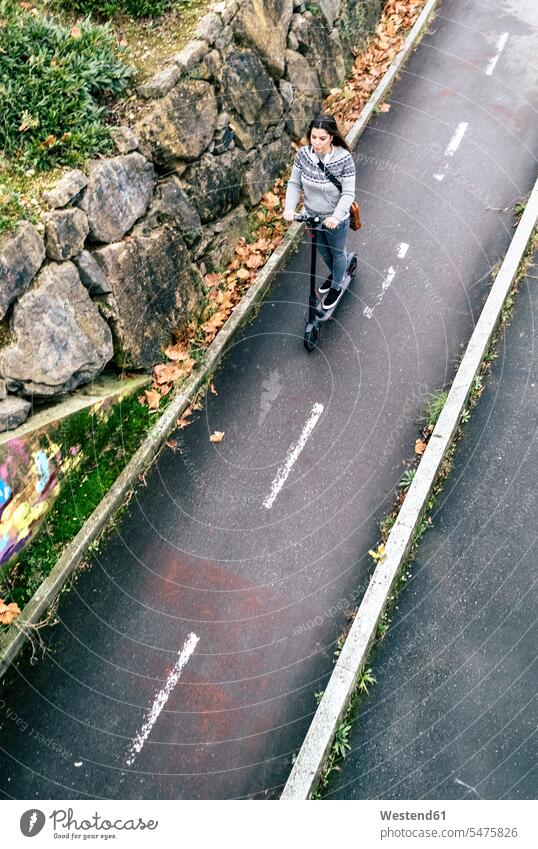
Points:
point(331, 222)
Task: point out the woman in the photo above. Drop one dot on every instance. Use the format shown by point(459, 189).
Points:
point(324, 199)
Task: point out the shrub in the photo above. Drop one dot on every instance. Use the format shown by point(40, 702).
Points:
point(52, 81)
point(105, 8)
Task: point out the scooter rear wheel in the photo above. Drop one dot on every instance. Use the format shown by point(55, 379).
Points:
point(311, 337)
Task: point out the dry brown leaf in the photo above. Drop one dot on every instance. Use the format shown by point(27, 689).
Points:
point(384, 107)
point(216, 436)
point(153, 399)
point(270, 200)
point(166, 373)
point(211, 280)
point(212, 389)
point(8, 612)
point(183, 421)
point(420, 446)
point(243, 274)
point(255, 261)
point(177, 353)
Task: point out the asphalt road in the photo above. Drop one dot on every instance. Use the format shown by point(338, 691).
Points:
point(453, 715)
point(187, 657)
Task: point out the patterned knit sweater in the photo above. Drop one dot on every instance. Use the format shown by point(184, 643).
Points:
point(320, 196)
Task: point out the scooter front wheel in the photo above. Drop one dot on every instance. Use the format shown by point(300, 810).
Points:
point(311, 336)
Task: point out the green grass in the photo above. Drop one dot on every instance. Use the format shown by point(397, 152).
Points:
point(54, 81)
point(434, 406)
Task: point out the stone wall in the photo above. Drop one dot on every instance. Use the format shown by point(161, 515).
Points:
point(116, 265)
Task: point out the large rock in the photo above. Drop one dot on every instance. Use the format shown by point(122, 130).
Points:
point(214, 184)
point(218, 247)
point(65, 232)
point(13, 411)
point(91, 274)
point(161, 83)
point(263, 25)
point(171, 205)
point(60, 338)
point(209, 28)
point(118, 193)
point(124, 139)
point(322, 49)
point(251, 96)
point(307, 96)
point(270, 163)
point(154, 290)
point(192, 53)
point(179, 126)
point(21, 255)
point(66, 190)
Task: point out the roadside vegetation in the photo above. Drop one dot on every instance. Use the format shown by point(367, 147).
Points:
point(54, 81)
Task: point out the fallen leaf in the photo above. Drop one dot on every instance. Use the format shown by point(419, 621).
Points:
point(166, 373)
point(420, 446)
point(243, 274)
point(153, 399)
point(211, 280)
point(177, 352)
point(172, 443)
point(75, 32)
point(270, 200)
point(8, 612)
point(384, 107)
point(183, 421)
point(379, 554)
point(217, 436)
point(212, 389)
point(255, 261)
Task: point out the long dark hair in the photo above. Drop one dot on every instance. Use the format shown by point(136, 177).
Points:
point(326, 121)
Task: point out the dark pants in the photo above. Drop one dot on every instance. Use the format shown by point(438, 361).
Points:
point(331, 245)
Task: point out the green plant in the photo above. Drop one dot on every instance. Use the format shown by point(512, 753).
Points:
point(434, 405)
point(341, 744)
point(53, 81)
point(407, 479)
point(12, 210)
point(366, 679)
point(133, 8)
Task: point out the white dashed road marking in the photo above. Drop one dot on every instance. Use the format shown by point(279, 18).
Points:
point(500, 47)
point(401, 250)
point(451, 148)
point(162, 697)
point(455, 141)
point(292, 455)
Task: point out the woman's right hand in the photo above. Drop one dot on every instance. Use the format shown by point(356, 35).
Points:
point(288, 214)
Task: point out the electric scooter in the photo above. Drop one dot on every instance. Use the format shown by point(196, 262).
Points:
point(316, 314)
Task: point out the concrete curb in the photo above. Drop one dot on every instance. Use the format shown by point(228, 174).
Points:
point(14, 638)
point(353, 657)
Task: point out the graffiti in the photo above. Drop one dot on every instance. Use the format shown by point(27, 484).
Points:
point(29, 477)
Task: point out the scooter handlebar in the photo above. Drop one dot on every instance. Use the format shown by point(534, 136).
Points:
point(312, 220)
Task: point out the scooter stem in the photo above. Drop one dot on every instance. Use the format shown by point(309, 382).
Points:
point(312, 300)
